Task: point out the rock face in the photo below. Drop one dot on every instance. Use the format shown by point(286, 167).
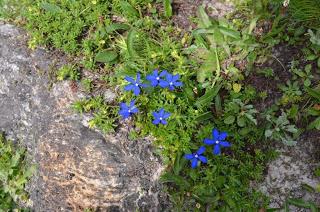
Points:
point(294, 168)
point(77, 168)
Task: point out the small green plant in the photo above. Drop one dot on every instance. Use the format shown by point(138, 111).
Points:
point(291, 92)
point(280, 129)
point(14, 174)
point(242, 114)
point(68, 72)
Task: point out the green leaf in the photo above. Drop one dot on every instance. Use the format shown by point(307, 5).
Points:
point(204, 20)
point(167, 8)
point(176, 179)
point(229, 120)
point(315, 124)
point(241, 121)
point(230, 32)
point(128, 9)
point(208, 67)
point(179, 163)
point(268, 133)
point(205, 116)
point(207, 98)
point(106, 56)
point(116, 27)
point(50, 7)
point(314, 93)
point(130, 42)
point(251, 118)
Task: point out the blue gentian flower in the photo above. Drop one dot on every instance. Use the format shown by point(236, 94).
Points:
point(170, 82)
point(127, 110)
point(134, 85)
point(155, 77)
point(218, 141)
point(197, 156)
point(160, 117)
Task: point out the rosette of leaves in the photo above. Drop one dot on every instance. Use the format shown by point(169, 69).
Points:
point(280, 129)
point(242, 114)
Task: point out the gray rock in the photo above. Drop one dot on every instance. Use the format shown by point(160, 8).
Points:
point(293, 168)
point(77, 168)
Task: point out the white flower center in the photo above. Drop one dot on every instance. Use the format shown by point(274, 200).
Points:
point(217, 142)
point(137, 84)
point(160, 118)
point(129, 111)
point(158, 78)
point(170, 83)
point(196, 156)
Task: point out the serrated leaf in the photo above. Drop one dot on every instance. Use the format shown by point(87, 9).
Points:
point(116, 27)
point(251, 118)
point(229, 120)
point(50, 7)
point(106, 56)
point(167, 8)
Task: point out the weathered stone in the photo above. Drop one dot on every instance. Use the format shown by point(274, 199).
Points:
point(293, 168)
point(78, 168)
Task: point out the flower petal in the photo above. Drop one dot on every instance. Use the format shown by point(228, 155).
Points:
point(194, 163)
point(201, 150)
point(215, 134)
point(125, 114)
point(225, 143)
point(136, 90)
point(163, 73)
point(203, 159)
point(178, 84)
point(163, 83)
point(164, 122)
point(216, 150)
point(123, 106)
point(188, 156)
point(130, 79)
point(134, 110)
point(222, 136)
point(161, 112)
point(132, 103)
point(169, 77)
point(208, 141)
point(156, 121)
point(175, 77)
point(166, 115)
point(155, 115)
point(129, 87)
point(138, 77)
point(171, 88)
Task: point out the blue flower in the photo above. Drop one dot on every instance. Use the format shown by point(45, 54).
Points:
point(155, 77)
point(160, 117)
point(197, 156)
point(134, 85)
point(218, 141)
point(127, 110)
point(171, 81)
